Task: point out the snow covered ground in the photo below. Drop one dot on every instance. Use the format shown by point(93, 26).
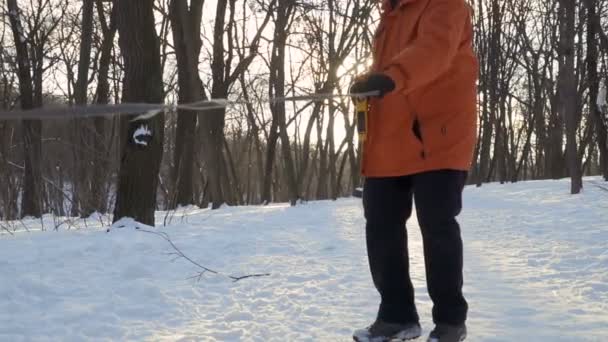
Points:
point(536, 263)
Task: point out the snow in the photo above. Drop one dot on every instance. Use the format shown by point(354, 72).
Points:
point(601, 96)
point(150, 114)
point(536, 269)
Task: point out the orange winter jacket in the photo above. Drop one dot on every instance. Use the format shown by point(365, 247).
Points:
point(425, 46)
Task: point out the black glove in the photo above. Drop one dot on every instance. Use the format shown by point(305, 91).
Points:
point(374, 82)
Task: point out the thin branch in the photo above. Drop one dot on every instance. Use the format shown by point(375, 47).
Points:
point(179, 254)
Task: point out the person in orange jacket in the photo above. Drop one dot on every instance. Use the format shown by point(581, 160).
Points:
point(421, 135)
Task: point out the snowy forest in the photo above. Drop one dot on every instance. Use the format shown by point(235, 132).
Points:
point(542, 103)
point(214, 195)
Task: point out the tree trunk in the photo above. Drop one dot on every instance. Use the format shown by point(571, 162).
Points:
point(322, 180)
point(254, 131)
point(488, 84)
point(568, 91)
point(555, 153)
point(101, 163)
point(497, 115)
point(277, 90)
point(81, 128)
point(305, 156)
point(186, 27)
point(596, 115)
point(31, 201)
point(142, 144)
point(355, 170)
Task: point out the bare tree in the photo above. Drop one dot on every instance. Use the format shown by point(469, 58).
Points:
point(101, 142)
point(9, 175)
point(285, 10)
point(334, 41)
point(568, 90)
point(81, 129)
point(541, 71)
point(186, 28)
point(142, 142)
point(594, 31)
point(31, 203)
point(224, 75)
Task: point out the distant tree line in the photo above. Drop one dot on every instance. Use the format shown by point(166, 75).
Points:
point(542, 100)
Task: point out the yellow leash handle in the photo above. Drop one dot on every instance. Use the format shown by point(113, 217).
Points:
point(362, 108)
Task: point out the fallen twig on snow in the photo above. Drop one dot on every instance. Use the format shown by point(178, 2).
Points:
point(598, 185)
point(5, 228)
point(204, 269)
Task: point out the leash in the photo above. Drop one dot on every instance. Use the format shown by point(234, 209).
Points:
point(149, 110)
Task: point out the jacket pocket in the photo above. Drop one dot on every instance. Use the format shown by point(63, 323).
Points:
point(416, 130)
point(443, 135)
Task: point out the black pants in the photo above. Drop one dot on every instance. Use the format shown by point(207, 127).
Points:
point(388, 205)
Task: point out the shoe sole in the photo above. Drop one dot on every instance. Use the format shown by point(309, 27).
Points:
point(462, 338)
point(391, 339)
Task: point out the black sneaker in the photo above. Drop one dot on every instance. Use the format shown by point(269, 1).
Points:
point(382, 331)
point(448, 333)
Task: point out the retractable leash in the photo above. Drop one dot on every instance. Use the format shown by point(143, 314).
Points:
point(361, 113)
point(150, 110)
point(362, 109)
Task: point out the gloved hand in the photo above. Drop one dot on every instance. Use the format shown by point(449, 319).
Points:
point(374, 82)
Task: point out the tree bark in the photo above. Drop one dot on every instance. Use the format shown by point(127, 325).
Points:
point(277, 90)
point(81, 128)
point(101, 163)
point(271, 148)
point(596, 115)
point(186, 27)
point(568, 90)
point(142, 144)
point(212, 122)
point(31, 201)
